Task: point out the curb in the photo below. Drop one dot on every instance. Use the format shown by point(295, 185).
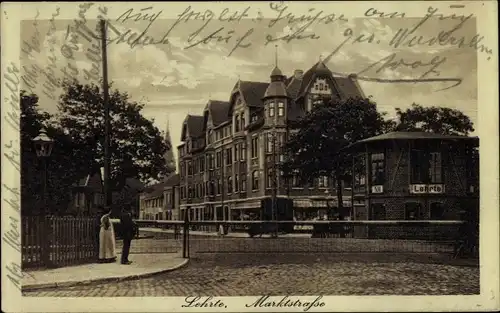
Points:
point(32, 287)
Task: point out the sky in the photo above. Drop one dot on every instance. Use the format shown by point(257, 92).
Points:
point(173, 81)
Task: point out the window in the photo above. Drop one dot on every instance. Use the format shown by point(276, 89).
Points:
point(236, 183)
point(237, 123)
point(271, 109)
point(359, 173)
point(281, 109)
point(218, 159)
point(437, 211)
point(243, 152)
point(255, 180)
point(202, 165)
point(323, 182)
point(413, 211)
point(229, 156)
point(243, 184)
point(208, 189)
point(229, 185)
point(242, 121)
point(378, 211)
point(270, 179)
point(182, 170)
point(190, 169)
point(378, 168)
point(236, 156)
point(426, 167)
point(209, 137)
point(269, 143)
point(255, 147)
point(435, 168)
point(296, 180)
point(219, 187)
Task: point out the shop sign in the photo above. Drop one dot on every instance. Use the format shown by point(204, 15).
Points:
point(424, 188)
point(378, 189)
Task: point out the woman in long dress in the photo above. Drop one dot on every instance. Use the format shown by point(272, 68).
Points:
point(107, 244)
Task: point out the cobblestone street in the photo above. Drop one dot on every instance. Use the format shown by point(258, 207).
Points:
point(280, 274)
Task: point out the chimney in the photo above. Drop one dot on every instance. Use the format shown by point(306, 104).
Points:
point(298, 74)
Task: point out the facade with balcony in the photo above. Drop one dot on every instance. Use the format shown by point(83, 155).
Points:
point(229, 154)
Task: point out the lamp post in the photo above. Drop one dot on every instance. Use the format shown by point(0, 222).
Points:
point(43, 147)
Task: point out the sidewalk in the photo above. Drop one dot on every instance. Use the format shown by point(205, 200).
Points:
point(143, 265)
point(216, 234)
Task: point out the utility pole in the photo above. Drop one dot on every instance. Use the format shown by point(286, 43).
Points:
point(107, 120)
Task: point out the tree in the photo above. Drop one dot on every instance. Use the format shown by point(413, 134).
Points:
point(64, 166)
point(136, 146)
point(31, 121)
point(316, 146)
point(433, 119)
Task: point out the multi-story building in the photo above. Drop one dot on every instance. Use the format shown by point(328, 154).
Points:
point(228, 154)
point(161, 201)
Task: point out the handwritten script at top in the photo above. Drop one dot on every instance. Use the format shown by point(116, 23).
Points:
point(229, 32)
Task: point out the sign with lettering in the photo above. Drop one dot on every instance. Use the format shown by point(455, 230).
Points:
point(424, 188)
point(378, 189)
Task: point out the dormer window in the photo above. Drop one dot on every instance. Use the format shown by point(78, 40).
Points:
point(271, 109)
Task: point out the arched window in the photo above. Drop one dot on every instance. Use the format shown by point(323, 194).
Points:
point(237, 123)
point(229, 185)
point(255, 180)
point(242, 121)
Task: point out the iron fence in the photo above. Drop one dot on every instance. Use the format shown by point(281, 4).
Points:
point(54, 241)
point(192, 237)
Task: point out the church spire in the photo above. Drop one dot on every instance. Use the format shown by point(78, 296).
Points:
point(169, 153)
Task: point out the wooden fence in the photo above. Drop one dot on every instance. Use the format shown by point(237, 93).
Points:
point(54, 241)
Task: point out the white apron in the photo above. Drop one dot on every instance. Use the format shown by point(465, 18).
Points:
point(107, 244)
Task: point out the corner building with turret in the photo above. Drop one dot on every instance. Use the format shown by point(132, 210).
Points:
point(228, 154)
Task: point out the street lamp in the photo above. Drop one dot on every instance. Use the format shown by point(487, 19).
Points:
point(43, 148)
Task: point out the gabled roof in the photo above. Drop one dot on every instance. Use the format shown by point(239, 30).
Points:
point(84, 181)
point(219, 111)
point(293, 86)
point(194, 124)
point(252, 92)
point(346, 85)
point(134, 183)
point(171, 180)
point(154, 191)
point(317, 69)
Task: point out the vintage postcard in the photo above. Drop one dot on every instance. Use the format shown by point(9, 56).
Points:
point(250, 156)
